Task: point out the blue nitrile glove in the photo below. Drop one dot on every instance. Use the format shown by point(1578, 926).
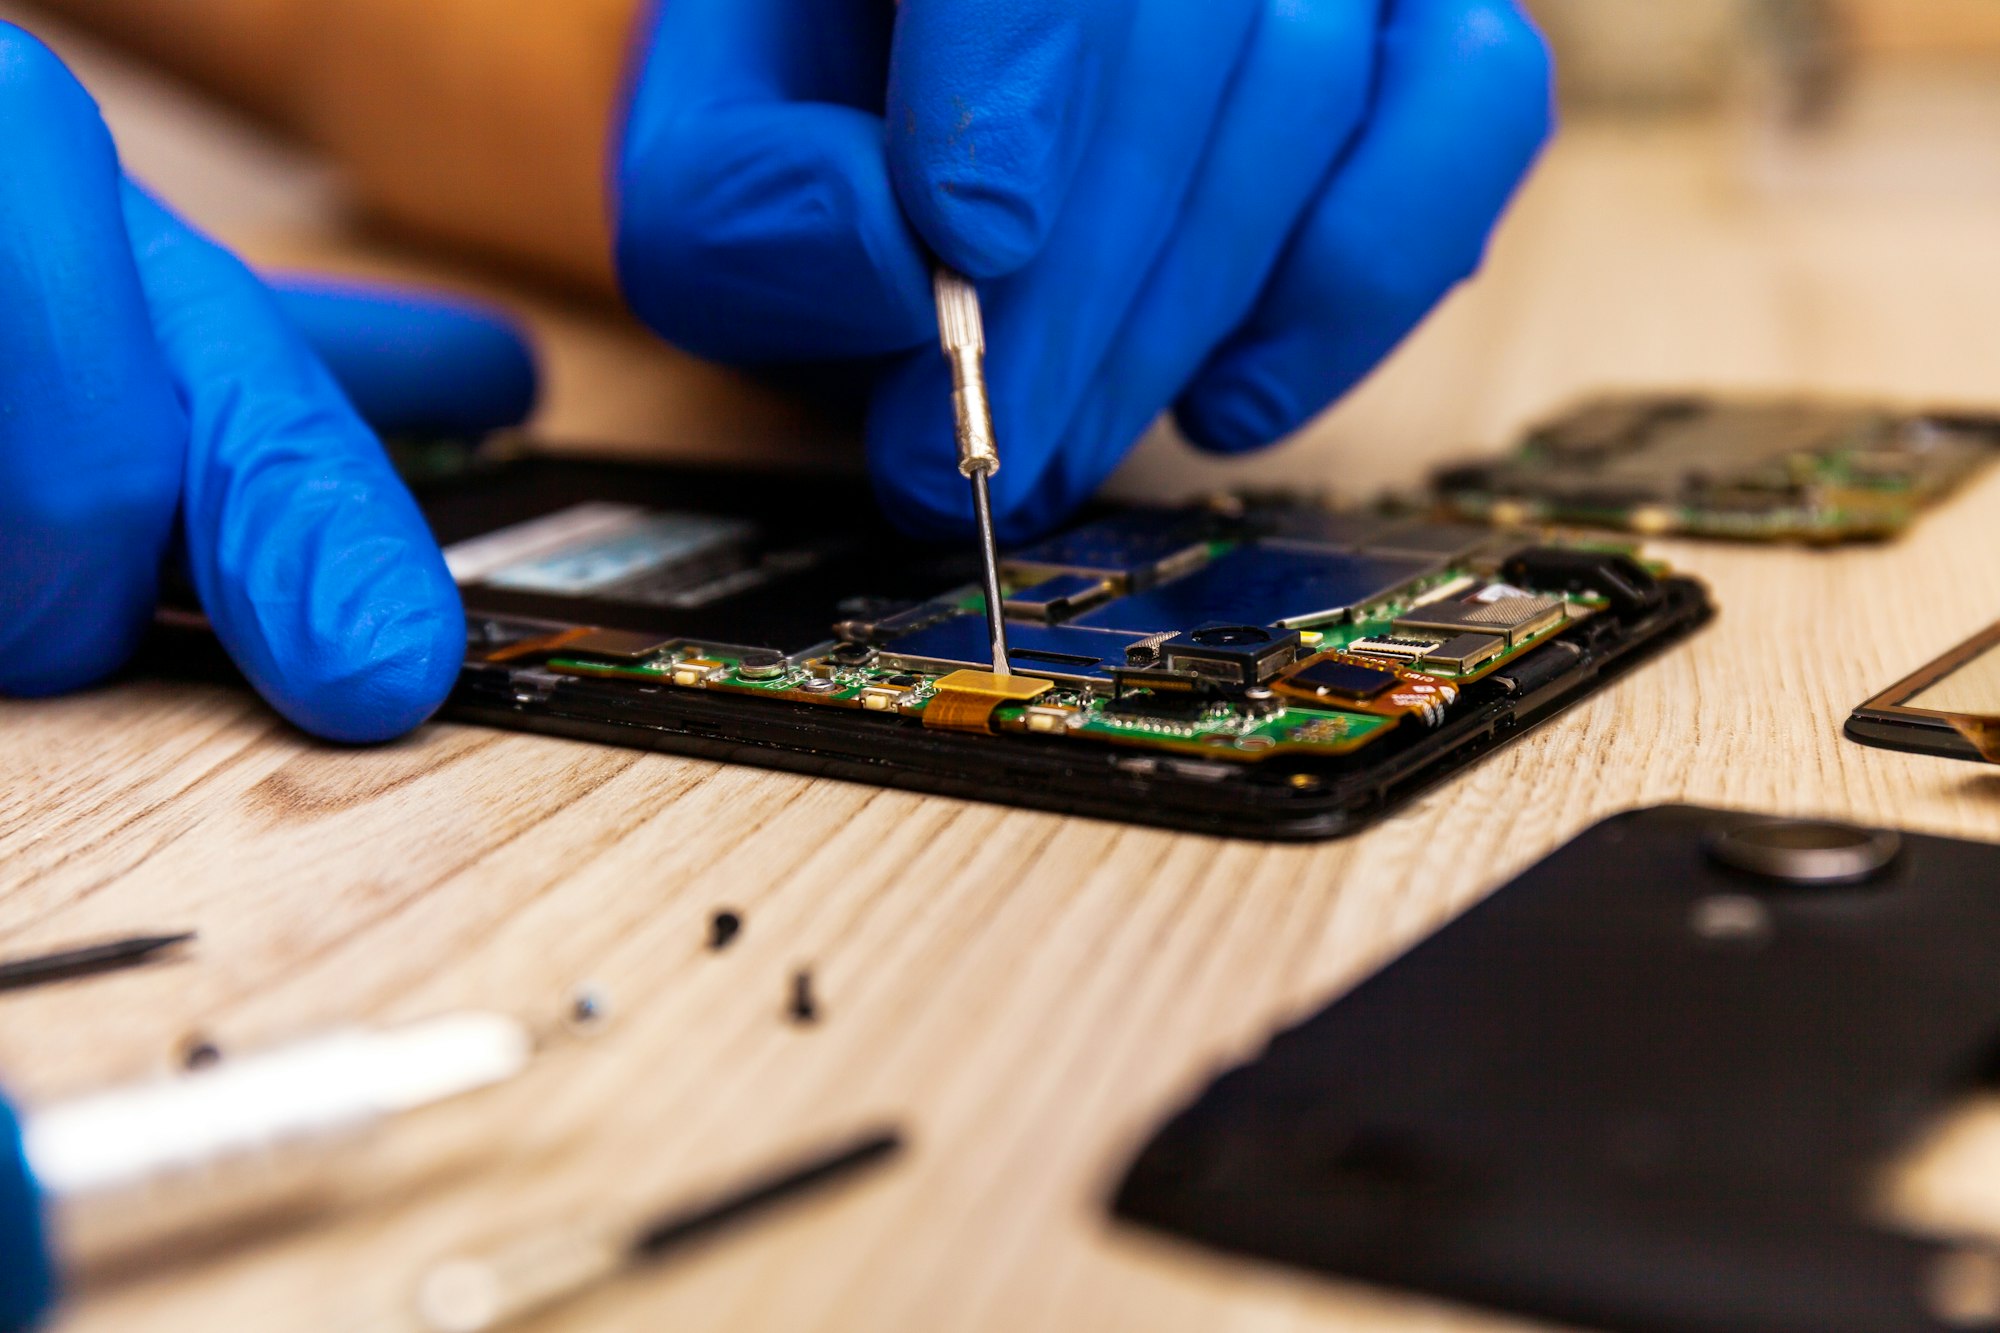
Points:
point(154, 399)
point(27, 1272)
point(1229, 208)
point(414, 362)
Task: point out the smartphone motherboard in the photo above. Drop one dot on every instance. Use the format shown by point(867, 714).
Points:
point(1261, 668)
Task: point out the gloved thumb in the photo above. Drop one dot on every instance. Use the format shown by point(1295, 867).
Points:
point(991, 104)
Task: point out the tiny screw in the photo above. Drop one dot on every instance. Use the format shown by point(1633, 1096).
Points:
point(805, 1008)
point(198, 1053)
point(588, 1010)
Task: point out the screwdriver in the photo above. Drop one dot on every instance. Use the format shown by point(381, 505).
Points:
point(964, 335)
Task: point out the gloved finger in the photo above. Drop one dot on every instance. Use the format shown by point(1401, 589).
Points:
point(413, 361)
point(310, 557)
point(991, 105)
point(91, 434)
point(1310, 68)
point(756, 221)
point(1050, 326)
point(1464, 106)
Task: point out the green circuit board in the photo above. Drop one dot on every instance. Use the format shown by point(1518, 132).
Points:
point(1222, 727)
point(1311, 634)
point(1744, 469)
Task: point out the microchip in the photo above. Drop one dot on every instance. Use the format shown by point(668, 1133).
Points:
point(1335, 679)
point(1262, 585)
point(1057, 598)
point(1131, 550)
point(1054, 652)
point(1512, 618)
point(1466, 652)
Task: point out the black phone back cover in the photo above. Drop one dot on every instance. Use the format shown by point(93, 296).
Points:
point(1578, 1103)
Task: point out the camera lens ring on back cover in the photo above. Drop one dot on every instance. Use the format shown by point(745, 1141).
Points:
point(1805, 853)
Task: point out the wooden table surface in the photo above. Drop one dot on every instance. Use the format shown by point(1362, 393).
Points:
point(1027, 994)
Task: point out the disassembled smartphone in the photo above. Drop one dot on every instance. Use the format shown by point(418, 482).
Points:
point(1258, 669)
point(1698, 1070)
point(1752, 469)
point(1950, 707)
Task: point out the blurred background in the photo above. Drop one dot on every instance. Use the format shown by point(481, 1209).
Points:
point(1761, 193)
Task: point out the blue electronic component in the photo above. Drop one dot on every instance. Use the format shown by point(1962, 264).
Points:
point(1058, 598)
point(1135, 549)
point(1262, 585)
point(1053, 652)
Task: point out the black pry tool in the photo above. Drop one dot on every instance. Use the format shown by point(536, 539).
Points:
point(477, 1293)
point(691, 1224)
point(87, 961)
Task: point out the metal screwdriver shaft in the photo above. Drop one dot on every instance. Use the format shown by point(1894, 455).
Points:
point(964, 336)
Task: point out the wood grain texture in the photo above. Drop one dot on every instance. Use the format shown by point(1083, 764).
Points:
point(1028, 994)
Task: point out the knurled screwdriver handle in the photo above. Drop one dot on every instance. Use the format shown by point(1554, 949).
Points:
point(963, 333)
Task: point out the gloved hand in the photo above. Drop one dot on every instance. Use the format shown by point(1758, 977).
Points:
point(27, 1271)
point(1230, 208)
point(155, 399)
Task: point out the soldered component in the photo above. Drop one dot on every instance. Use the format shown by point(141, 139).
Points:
point(1058, 598)
point(1050, 721)
point(1465, 654)
point(1159, 679)
point(966, 700)
point(885, 698)
point(1513, 618)
point(1131, 551)
point(1614, 576)
point(762, 664)
point(698, 671)
point(1263, 585)
point(1401, 649)
point(1060, 652)
point(1336, 678)
point(1355, 684)
point(1239, 655)
point(881, 626)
